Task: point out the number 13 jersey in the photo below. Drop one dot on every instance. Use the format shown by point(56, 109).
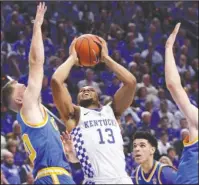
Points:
point(98, 144)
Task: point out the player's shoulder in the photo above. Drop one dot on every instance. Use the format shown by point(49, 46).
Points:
point(166, 169)
point(35, 118)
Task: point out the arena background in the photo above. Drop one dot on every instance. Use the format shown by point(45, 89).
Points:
point(136, 32)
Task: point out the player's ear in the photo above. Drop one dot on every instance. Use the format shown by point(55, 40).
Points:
point(152, 150)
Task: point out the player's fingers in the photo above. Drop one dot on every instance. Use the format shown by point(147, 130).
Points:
point(62, 139)
point(43, 5)
point(177, 28)
point(73, 42)
point(64, 135)
point(45, 9)
point(175, 31)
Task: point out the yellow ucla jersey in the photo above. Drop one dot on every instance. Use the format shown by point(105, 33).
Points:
point(43, 144)
point(188, 167)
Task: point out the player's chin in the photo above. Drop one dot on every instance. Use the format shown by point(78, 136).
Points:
point(139, 160)
point(86, 102)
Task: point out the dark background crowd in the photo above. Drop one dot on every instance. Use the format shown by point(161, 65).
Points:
point(136, 33)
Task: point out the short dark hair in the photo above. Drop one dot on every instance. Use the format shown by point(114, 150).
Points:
point(170, 149)
point(6, 93)
point(146, 135)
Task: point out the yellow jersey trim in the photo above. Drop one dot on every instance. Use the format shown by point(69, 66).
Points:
point(53, 172)
point(159, 172)
point(187, 143)
point(35, 125)
point(136, 175)
point(151, 174)
point(55, 179)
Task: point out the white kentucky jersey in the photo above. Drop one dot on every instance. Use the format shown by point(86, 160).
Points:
point(99, 146)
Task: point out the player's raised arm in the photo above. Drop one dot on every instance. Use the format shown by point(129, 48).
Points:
point(173, 83)
point(61, 96)
point(124, 96)
point(36, 61)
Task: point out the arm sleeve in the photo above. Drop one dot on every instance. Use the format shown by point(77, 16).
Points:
point(168, 175)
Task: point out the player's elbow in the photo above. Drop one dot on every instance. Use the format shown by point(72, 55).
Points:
point(131, 81)
point(54, 83)
point(171, 85)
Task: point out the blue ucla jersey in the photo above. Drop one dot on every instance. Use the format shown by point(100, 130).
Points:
point(160, 174)
point(188, 167)
point(43, 144)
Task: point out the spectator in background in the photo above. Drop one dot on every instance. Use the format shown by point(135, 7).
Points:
point(25, 170)
point(151, 55)
point(89, 81)
point(3, 179)
point(5, 46)
point(16, 135)
point(146, 82)
point(46, 95)
point(138, 36)
point(182, 65)
point(19, 157)
point(165, 160)
point(162, 96)
point(163, 143)
point(129, 48)
point(29, 179)
point(117, 57)
point(49, 48)
point(3, 142)
point(149, 107)
point(171, 152)
point(130, 126)
point(163, 112)
point(163, 126)
point(144, 125)
point(178, 144)
point(141, 98)
point(113, 87)
point(10, 170)
point(134, 69)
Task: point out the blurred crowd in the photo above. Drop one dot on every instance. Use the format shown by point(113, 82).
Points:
point(136, 33)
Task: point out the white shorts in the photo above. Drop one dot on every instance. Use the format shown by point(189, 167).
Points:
point(122, 180)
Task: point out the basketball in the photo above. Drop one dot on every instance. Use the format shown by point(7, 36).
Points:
point(88, 49)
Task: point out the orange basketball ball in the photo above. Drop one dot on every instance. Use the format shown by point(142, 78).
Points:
point(88, 49)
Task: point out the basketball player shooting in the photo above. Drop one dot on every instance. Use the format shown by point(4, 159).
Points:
point(188, 167)
point(94, 128)
point(40, 134)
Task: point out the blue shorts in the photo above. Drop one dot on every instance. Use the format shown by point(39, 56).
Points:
point(53, 175)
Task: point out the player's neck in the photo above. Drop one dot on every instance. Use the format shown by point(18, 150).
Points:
point(147, 166)
point(93, 106)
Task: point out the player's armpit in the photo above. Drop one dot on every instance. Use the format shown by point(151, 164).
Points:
point(75, 165)
point(33, 90)
point(123, 98)
point(182, 100)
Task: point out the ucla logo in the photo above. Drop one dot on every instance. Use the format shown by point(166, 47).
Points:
point(154, 180)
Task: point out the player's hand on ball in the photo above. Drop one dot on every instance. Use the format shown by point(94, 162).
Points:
point(67, 142)
point(72, 51)
point(170, 41)
point(104, 51)
point(41, 10)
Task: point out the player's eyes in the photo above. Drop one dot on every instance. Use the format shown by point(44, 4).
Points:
point(142, 146)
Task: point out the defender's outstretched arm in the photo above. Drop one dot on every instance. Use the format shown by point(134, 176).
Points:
point(174, 86)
